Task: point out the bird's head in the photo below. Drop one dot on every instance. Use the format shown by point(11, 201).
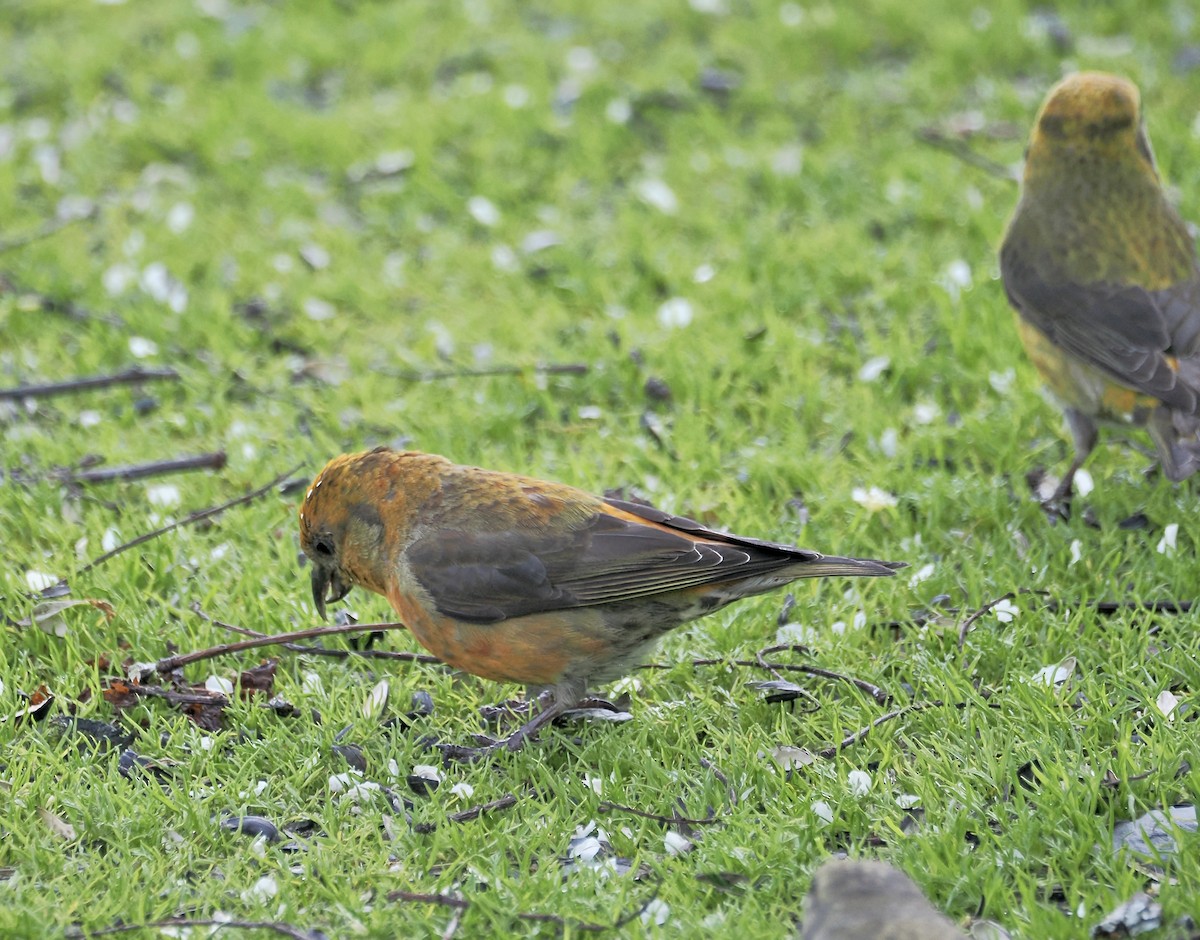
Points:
point(342, 529)
point(1090, 116)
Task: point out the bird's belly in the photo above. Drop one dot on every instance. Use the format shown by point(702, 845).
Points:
point(1072, 383)
point(538, 649)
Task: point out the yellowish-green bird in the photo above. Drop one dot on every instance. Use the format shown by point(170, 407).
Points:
point(1102, 272)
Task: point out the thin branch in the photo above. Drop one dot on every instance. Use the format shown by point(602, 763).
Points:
point(48, 304)
point(861, 733)
point(565, 368)
point(285, 930)
point(606, 807)
point(939, 139)
point(475, 812)
point(170, 663)
point(190, 520)
point(140, 471)
point(966, 625)
point(716, 772)
point(335, 652)
point(872, 690)
point(462, 904)
point(45, 230)
point(132, 376)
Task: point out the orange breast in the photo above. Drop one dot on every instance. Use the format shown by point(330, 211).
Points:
point(538, 649)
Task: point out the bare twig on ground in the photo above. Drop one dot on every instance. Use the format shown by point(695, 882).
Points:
point(565, 368)
point(965, 626)
point(334, 652)
point(861, 733)
point(214, 460)
point(190, 520)
point(170, 663)
point(45, 230)
point(134, 376)
point(935, 137)
point(462, 904)
point(285, 930)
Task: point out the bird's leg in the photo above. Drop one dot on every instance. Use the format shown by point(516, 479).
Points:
point(1083, 432)
point(562, 698)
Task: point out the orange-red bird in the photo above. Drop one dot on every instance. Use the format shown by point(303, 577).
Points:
point(522, 580)
point(1102, 272)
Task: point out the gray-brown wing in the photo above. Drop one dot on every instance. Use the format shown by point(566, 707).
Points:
point(486, 576)
point(1127, 331)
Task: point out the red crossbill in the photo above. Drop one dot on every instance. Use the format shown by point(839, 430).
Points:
point(853, 900)
point(1102, 273)
point(522, 580)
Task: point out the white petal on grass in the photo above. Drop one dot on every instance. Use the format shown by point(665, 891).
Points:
point(141, 348)
point(704, 273)
point(483, 211)
point(311, 684)
point(657, 912)
point(339, 783)
point(619, 111)
point(317, 309)
point(798, 633)
point(1083, 482)
point(955, 278)
point(1076, 551)
point(539, 240)
point(262, 891)
point(676, 844)
point(1057, 674)
point(788, 160)
point(219, 684)
point(593, 783)
point(789, 756)
point(1001, 382)
point(711, 7)
point(581, 59)
point(118, 278)
point(1166, 545)
point(180, 216)
point(675, 313)
point(656, 193)
point(427, 772)
point(925, 412)
point(873, 368)
point(1166, 703)
point(463, 790)
point(394, 161)
point(908, 800)
point(859, 782)
point(791, 14)
point(315, 256)
point(873, 499)
point(924, 573)
point(1006, 611)
point(89, 418)
point(889, 442)
point(590, 412)
point(515, 96)
point(74, 207)
point(374, 704)
point(164, 495)
point(822, 811)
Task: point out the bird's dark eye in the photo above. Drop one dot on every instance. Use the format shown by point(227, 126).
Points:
point(323, 546)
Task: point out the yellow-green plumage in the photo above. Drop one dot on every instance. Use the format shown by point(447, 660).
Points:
point(1102, 273)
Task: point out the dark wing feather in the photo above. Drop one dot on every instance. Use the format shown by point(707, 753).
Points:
point(1125, 330)
point(486, 576)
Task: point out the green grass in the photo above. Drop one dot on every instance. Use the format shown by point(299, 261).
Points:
point(829, 231)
